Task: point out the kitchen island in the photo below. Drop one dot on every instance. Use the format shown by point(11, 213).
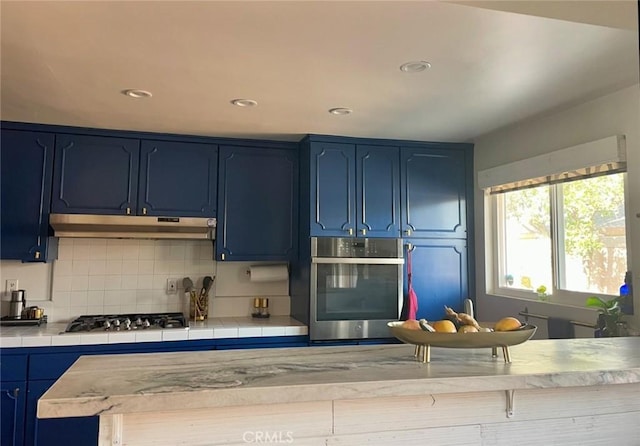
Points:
point(572, 391)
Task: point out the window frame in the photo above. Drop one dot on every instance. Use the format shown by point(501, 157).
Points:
point(558, 295)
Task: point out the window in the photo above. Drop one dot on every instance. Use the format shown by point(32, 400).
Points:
point(562, 239)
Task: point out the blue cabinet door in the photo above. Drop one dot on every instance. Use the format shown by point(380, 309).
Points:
point(178, 179)
point(26, 169)
point(378, 191)
point(333, 183)
point(434, 185)
point(12, 410)
point(95, 175)
point(258, 204)
point(77, 431)
point(439, 275)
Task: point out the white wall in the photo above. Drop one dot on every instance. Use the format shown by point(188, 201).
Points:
point(98, 276)
point(613, 114)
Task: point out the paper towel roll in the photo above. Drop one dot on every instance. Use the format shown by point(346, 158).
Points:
point(268, 273)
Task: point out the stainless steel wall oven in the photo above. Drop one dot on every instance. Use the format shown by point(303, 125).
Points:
point(356, 287)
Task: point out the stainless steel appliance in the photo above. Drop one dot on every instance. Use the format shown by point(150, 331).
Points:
point(18, 304)
point(131, 226)
point(125, 322)
point(356, 287)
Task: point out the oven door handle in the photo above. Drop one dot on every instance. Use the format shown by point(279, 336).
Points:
point(358, 261)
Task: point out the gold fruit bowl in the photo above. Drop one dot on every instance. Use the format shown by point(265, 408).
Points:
point(423, 340)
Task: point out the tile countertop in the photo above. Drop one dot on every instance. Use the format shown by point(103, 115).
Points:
point(52, 334)
point(110, 384)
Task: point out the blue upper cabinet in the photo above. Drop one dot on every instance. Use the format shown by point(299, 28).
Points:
point(378, 191)
point(95, 175)
point(178, 179)
point(27, 164)
point(333, 189)
point(258, 204)
point(354, 190)
point(434, 190)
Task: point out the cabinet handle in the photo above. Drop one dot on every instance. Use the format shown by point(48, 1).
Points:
point(222, 256)
point(144, 211)
point(128, 211)
point(350, 230)
point(407, 231)
point(363, 231)
point(37, 254)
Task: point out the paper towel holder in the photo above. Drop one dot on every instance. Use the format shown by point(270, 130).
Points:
point(248, 271)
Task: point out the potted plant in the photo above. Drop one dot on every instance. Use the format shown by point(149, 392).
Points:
point(610, 322)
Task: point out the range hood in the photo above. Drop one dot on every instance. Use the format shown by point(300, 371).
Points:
point(128, 226)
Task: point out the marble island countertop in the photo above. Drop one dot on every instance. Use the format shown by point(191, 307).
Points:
point(146, 382)
point(52, 334)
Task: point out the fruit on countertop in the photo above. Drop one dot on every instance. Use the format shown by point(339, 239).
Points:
point(461, 318)
point(508, 324)
point(424, 324)
point(411, 324)
point(468, 329)
point(444, 326)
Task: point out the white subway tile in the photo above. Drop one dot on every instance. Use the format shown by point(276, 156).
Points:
point(81, 252)
point(249, 332)
point(114, 251)
point(122, 337)
point(95, 298)
point(225, 332)
point(78, 298)
point(113, 267)
point(61, 298)
point(62, 283)
point(66, 339)
point(63, 267)
point(65, 251)
point(146, 252)
point(98, 251)
point(149, 336)
point(145, 282)
point(131, 250)
point(145, 266)
point(112, 297)
point(36, 341)
point(79, 283)
point(129, 267)
point(129, 282)
point(112, 282)
point(161, 267)
point(95, 309)
point(176, 267)
point(80, 267)
point(274, 331)
point(177, 252)
point(175, 335)
point(8, 342)
point(162, 252)
point(96, 283)
point(94, 338)
point(97, 267)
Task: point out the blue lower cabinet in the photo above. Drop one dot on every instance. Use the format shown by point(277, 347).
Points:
point(439, 275)
point(12, 403)
point(78, 431)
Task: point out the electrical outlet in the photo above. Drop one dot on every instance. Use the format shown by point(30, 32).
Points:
point(12, 285)
point(172, 286)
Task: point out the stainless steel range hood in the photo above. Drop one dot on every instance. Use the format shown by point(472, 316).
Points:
point(128, 226)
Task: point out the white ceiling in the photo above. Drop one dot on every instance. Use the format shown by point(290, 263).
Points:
point(67, 62)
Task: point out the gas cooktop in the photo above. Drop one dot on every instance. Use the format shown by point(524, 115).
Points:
point(127, 322)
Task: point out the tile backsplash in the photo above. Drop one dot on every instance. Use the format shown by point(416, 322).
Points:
point(97, 276)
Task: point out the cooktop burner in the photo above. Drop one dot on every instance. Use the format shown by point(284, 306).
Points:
point(125, 322)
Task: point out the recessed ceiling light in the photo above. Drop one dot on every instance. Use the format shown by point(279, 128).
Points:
point(244, 102)
point(340, 111)
point(415, 66)
point(137, 94)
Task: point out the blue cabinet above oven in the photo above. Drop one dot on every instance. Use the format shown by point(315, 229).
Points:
point(354, 190)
